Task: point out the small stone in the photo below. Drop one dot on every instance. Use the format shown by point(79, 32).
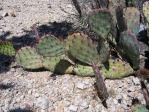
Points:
point(131, 89)
point(85, 104)
point(30, 92)
point(136, 81)
point(44, 104)
point(1, 17)
point(36, 95)
point(80, 85)
point(115, 101)
point(4, 14)
point(73, 108)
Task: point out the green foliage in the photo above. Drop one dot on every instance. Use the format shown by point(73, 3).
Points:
point(139, 108)
point(81, 47)
point(7, 48)
point(57, 65)
point(100, 21)
point(50, 46)
point(146, 10)
point(116, 68)
point(129, 46)
point(28, 58)
point(132, 19)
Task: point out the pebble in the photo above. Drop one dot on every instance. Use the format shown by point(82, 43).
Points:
point(1, 17)
point(80, 85)
point(115, 101)
point(44, 104)
point(4, 14)
point(84, 104)
point(136, 81)
point(73, 108)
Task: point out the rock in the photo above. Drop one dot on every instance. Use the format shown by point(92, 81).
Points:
point(36, 95)
point(115, 101)
point(136, 81)
point(1, 17)
point(4, 14)
point(44, 104)
point(73, 108)
point(80, 86)
point(84, 104)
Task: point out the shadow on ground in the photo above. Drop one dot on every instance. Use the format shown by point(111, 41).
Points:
point(60, 30)
point(20, 110)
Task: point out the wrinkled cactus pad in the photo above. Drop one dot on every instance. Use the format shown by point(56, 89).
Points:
point(116, 68)
point(28, 58)
point(81, 47)
point(57, 65)
point(6, 48)
point(50, 46)
point(130, 47)
point(99, 21)
point(132, 19)
point(146, 10)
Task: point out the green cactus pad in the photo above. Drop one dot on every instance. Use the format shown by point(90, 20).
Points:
point(83, 71)
point(81, 47)
point(132, 19)
point(129, 45)
point(139, 108)
point(50, 46)
point(57, 65)
point(104, 51)
point(116, 69)
point(7, 48)
point(146, 10)
point(100, 21)
point(28, 58)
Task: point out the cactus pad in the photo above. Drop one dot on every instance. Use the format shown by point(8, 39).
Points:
point(132, 19)
point(129, 45)
point(81, 47)
point(84, 71)
point(7, 48)
point(50, 46)
point(57, 65)
point(100, 21)
point(28, 58)
point(146, 10)
point(116, 69)
point(139, 108)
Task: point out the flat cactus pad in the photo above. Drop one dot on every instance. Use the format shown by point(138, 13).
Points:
point(100, 21)
point(50, 46)
point(28, 58)
point(7, 48)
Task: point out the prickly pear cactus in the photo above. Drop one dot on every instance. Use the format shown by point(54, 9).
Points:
point(130, 47)
point(7, 48)
point(132, 19)
point(50, 46)
point(146, 10)
point(81, 47)
point(116, 68)
point(28, 58)
point(139, 108)
point(82, 70)
point(57, 65)
point(99, 21)
point(104, 50)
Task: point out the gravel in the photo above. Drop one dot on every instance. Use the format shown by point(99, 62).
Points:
point(42, 92)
